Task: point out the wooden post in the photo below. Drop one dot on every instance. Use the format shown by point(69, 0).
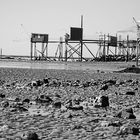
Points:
point(42, 50)
point(1, 53)
point(127, 53)
point(81, 41)
point(137, 53)
point(35, 53)
point(108, 45)
point(60, 48)
point(46, 50)
point(116, 48)
point(66, 52)
point(104, 53)
point(31, 51)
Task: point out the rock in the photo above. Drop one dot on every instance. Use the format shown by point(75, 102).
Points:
point(119, 82)
point(32, 103)
point(46, 81)
point(104, 87)
point(39, 83)
point(42, 96)
point(110, 82)
point(33, 83)
point(86, 84)
point(115, 124)
point(76, 107)
point(69, 115)
point(22, 109)
point(101, 101)
point(5, 104)
point(69, 103)
point(2, 82)
point(17, 99)
point(2, 95)
point(12, 109)
point(129, 130)
point(57, 104)
point(47, 98)
point(44, 99)
point(16, 104)
point(104, 101)
point(32, 136)
point(76, 83)
point(57, 95)
point(26, 100)
point(130, 93)
point(126, 114)
point(84, 104)
point(76, 126)
point(135, 131)
point(76, 99)
point(36, 83)
point(54, 83)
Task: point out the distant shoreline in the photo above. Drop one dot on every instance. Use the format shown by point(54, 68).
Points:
point(62, 65)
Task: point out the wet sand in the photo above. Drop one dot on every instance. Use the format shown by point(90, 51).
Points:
point(93, 66)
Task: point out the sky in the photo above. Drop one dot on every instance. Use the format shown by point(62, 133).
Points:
point(20, 18)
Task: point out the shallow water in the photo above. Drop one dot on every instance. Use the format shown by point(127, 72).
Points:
point(102, 66)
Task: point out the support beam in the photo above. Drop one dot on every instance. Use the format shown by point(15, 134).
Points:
point(81, 41)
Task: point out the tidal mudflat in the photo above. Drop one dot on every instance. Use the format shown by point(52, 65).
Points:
point(68, 104)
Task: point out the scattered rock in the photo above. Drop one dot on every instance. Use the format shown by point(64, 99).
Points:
point(43, 99)
point(57, 95)
point(5, 104)
point(110, 82)
point(22, 109)
point(76, 107)
point(104, 101)
point(86, 84)
point(119, 82)
point(39, 82)
point(125, 130)
point(101, 101)
point(46, 81)
point(33, 83)
point(36, 83)
point(26, 100)
point(57, 104)
point(17, 99)
point(126, 114)
point(104, 87)
point(83, 109)
point(32, 136)
point(115, 124)
point(85, 104)
point(130, 93)
point(2, 95)
point(135, 131)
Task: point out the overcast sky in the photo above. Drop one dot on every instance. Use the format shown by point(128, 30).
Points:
point(19, 18)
